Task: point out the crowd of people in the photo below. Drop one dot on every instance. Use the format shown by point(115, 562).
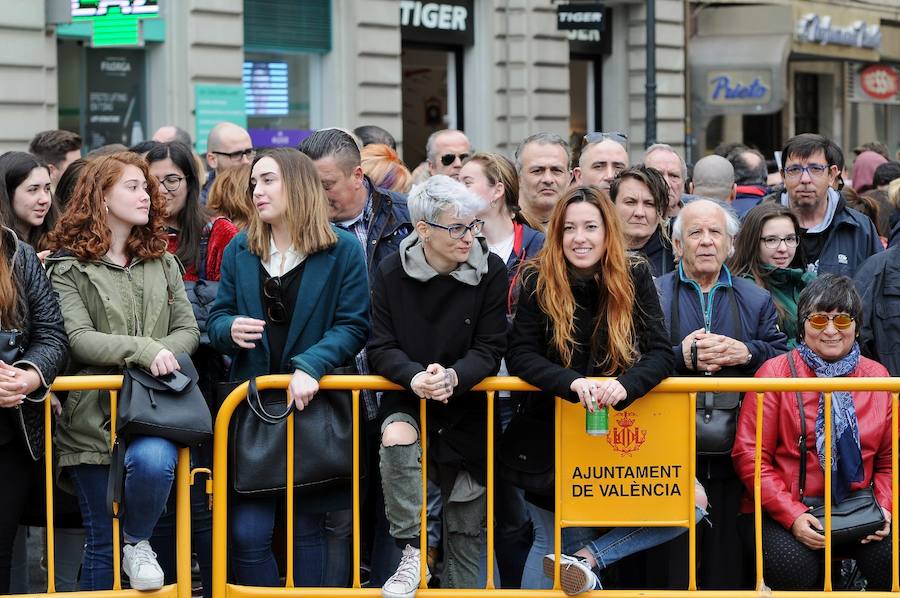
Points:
point(334, 254)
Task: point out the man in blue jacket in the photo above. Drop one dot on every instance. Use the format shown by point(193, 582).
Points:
point(834, 237)
point(719, 326)
point(380, 220)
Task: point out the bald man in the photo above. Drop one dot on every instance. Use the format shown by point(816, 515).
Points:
point(714, 177)
point(228, 145)
point(445, 152)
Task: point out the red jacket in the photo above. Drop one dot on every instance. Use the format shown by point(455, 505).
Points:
point(781, 431)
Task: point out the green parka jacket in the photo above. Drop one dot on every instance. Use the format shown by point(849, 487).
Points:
point(115, 317)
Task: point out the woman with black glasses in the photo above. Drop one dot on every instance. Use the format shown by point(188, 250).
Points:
point(293, 299)
point(767, 251)
point(439, 327)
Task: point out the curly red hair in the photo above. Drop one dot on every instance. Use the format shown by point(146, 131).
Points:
point(82, 228)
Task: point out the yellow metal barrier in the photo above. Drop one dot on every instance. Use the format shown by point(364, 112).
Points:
point(183, 481)
point(685, 387)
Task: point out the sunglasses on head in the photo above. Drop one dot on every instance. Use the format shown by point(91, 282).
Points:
point(598, 136)
point(820, 321)
point(448, 159)
point(275, 308)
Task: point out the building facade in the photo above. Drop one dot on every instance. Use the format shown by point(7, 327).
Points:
point(765, 72)
point(498, 69)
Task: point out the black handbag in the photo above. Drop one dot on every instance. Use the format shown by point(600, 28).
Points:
point(526, 453)
point(717, 412)
point(858, 515)
point(170, 407)
point(323, 442)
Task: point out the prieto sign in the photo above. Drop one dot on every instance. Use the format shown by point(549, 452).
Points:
point(729, 88)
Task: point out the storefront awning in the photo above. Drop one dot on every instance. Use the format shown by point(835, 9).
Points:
point(738, 74)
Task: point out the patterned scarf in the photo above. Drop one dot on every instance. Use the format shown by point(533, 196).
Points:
point(846, 456)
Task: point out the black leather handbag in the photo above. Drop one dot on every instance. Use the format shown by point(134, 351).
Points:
point(525, 455)
point(323, 442)
point(717, 412)
point(855, 517)
point(169, 406)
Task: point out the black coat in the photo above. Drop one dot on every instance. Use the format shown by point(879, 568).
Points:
point(44, 339)
point(532, 357)
point(878, 282)
point(441, 321)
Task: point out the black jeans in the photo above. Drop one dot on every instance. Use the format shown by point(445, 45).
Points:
point(20, 473)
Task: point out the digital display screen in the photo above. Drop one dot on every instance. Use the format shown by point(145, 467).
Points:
point(266, 88)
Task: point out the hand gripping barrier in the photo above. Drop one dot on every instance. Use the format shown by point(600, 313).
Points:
point(673, 398)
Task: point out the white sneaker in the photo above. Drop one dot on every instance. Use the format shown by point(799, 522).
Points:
point(139, 564)
point(575, 575)
point(405, 580)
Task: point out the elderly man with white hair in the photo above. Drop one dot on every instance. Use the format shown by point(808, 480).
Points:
point(719, 326)
point(438, 327)
point(713, 177)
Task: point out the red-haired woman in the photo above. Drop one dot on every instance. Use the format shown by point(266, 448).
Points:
point(123, 302)
point(587, 308)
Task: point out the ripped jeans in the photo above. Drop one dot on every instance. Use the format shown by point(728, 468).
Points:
point(464, 515)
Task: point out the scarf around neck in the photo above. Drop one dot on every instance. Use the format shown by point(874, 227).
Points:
point(846, 455)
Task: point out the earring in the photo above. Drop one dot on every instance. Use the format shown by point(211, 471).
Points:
point(493, 203)
point(106, 205)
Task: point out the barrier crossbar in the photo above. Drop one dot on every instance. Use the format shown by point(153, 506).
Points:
point(686, 387)
point(183, 481)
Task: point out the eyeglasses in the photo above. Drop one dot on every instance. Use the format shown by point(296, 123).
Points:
point(171, 182)
point(275, 309)
point(814, 170)
point(820, 321)
point(237, 155)
point(772, 242)
point(598, 136)
point(448, 159)
point(458, 231)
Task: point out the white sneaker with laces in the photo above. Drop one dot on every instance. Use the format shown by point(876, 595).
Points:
point(140, 565)
point(405, 580)
point(575, 575)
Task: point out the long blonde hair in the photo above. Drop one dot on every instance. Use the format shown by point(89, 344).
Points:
point(615, 285)
point(307, 206)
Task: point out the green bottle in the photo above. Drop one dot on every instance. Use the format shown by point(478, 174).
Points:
point(596, 423)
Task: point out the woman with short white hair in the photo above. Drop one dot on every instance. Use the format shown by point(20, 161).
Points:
point(439, 327)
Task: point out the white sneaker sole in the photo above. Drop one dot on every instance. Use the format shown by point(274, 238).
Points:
point(145, 585)
point(573, 580)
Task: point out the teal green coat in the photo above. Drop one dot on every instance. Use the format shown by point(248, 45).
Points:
point(329, 321)
point(115, 317)
point(785, 285)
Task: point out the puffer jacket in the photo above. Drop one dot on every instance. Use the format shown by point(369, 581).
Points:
point(43, 337)
point(878, 283)
point(781, 431)
point(115, 317)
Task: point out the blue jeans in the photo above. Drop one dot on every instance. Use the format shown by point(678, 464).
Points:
point(339, 542)
point(149, 471)
point(253, 563)
point(612, 546)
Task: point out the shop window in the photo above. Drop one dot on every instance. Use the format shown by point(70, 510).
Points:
point(278, 90)
point(763, 131)
point(875, 122)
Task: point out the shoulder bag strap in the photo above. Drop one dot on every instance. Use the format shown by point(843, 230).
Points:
point(801, 443)
point(256, 406)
